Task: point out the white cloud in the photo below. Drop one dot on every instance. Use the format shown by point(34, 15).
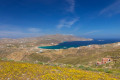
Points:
point(91, 32)
point(111, 9)
point(67, 23)
point(71, 5)
point(34, 30)
point(12, 31)
point(17, 34)
point(10, 34)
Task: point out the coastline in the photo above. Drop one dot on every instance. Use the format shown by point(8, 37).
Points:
point(76, 44)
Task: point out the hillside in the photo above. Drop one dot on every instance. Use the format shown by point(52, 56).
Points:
point(84, 55)
point(62, 38)
point(27, 71)
point(73, 63)
point(25, 45)
point(26, 49)
point(79, 56)
point(43, 40)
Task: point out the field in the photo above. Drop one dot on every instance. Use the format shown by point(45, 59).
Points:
point(10, 70)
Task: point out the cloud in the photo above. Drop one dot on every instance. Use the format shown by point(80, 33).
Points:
point(91, 32)
point(67, 23)
point(34, 30)
point(111, 9)
point(71, 5)
point(18, 34)
point(10, 34)
point(13, 31)
point(15, 34)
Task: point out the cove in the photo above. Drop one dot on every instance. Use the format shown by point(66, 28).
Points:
point(66, 45)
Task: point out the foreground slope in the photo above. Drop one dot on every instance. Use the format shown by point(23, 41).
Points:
point(27, 71)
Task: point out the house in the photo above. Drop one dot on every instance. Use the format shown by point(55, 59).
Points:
point(104, 61)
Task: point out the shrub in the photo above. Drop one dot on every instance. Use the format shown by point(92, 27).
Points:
point(40, 63)
point(101, 70)
point(107, 71)
point(81, 67)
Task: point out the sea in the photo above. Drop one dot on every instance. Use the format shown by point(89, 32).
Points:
point(75, 44)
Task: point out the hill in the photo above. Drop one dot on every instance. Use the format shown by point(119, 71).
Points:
point(25, 46)
point(26, 49)
point(27, 71)
point(70, 61)
point(45, 40)
point(84, 55)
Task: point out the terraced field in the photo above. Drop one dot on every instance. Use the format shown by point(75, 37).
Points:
point(27, 71)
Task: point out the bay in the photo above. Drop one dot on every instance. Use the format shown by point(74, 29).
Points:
point(69, 44)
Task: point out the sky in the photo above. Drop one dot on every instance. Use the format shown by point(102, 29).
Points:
point(83, 18)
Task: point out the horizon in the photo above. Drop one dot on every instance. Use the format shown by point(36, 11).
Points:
point(60, 34)
point(84, 18)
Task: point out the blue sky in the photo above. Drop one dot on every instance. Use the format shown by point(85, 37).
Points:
point(85, 18)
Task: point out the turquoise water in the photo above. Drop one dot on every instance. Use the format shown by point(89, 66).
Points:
point(66, 45)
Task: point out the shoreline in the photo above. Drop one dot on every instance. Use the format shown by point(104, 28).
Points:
point(67, 47)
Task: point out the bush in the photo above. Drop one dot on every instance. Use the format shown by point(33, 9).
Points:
point(107, 71)
point(101, 70)
point(40, 63)
point(81, 67)
point(89, 68)
point(104, 70)
point(86, 68)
